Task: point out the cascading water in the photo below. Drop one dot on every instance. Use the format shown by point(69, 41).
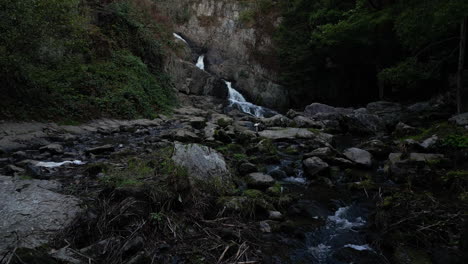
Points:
point(237, 100)
point(341, 231)
point(201, 62)
point(179, 37)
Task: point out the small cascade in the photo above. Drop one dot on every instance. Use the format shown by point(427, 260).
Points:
point(341, 230)
point(201, 62)
point(236, 99)
point(180, 37)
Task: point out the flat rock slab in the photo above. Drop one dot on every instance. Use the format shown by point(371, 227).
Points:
point(294, 133)
point(359, 156)
point(31, 212)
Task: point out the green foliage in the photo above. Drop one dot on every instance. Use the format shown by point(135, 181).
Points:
point(57, 65)
point(405, 44)
point(449, 134)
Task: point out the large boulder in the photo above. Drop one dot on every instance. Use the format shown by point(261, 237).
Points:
point(32, 212)
point(359, 156)
point(205, 166)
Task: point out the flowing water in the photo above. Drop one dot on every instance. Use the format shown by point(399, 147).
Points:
point(201, 62)
point(179, 37)
point(237, 100)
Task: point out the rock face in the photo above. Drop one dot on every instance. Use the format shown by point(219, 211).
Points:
point(32, 212)
point(191, 80)
point(204, 165)
point(231, 46)
point(359, 156)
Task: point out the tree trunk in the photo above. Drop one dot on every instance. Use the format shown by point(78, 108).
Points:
point(461, 64)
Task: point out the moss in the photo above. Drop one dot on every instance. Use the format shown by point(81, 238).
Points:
point(222, 122)
point(450, 135)
point(314, 130)
point(275, 190)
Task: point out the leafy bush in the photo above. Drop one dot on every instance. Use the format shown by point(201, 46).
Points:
point(58, 65)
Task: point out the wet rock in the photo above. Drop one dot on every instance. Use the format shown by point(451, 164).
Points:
point(259, 180)
point(314, 165)
point(100, 149)
point(32, 212)
point(403, 130)
point(277, 121)
point(359, 156)
point(52, 148)
point(204, 165)
point(275, 215)
point(246, 168)
point(278, 174)
point(460, 120)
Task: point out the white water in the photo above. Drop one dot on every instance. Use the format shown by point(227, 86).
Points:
point(179, 37)
point(340, 222)
point(237, 99)
point(359, 247)
point(48, 164)
point(341, 230)
point(201, 62)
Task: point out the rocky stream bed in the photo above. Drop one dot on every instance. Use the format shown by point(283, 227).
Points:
point(381, 184)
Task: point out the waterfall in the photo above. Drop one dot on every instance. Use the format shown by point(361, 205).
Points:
point(179, 37)
point(201, 62)
point(236, 99)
